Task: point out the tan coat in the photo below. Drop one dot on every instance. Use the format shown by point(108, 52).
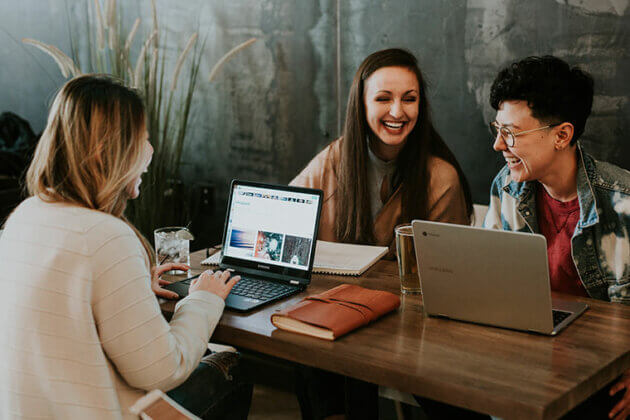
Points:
point(446, 196)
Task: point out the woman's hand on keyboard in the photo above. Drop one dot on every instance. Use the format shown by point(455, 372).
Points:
point(157, 282)
point(219, 282)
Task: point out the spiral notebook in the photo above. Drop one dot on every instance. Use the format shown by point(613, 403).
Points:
point(335, 258)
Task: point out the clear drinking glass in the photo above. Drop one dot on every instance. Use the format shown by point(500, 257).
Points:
point(172, 245)
point(406, 255)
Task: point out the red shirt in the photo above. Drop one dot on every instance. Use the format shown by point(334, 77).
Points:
point(557, 221)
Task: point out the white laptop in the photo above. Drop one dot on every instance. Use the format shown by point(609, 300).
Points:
point(491, 277)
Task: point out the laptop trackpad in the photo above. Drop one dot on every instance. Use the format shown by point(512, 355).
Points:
point(180, 287)
point(241, 303)
point(568, 306)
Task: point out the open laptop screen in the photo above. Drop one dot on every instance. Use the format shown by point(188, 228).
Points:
point(272, 227)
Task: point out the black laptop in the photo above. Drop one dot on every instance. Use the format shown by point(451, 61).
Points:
point(269, 240)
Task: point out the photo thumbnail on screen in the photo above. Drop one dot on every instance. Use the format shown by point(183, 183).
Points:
point(296, 250)
point(269, 246)
point(243, 241)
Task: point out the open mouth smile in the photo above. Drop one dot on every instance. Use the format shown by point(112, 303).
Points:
point(394, 125)
point(512, 161)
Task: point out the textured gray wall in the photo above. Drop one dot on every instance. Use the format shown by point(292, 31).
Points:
point(278, 103)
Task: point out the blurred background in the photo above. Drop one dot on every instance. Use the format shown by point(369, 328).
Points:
point(281, 100)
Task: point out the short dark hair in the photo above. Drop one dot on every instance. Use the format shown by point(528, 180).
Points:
point(554, 91)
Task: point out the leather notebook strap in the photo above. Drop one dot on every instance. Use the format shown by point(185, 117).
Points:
point(365, 311)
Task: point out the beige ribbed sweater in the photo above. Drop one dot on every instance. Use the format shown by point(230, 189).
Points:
point(81, 333)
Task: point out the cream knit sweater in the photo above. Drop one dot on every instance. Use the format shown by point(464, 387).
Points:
point(81, 333)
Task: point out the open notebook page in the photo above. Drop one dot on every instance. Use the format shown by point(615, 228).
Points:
point(335, 258)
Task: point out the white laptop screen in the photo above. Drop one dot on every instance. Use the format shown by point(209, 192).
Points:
point(271, 226)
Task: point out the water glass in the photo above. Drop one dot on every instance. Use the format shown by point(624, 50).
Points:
point(407, 265)
point(172, 245)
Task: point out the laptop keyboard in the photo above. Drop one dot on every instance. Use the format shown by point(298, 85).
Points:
point(559, 316)
point(257, 289)
point(261, 289)
point(247, 287)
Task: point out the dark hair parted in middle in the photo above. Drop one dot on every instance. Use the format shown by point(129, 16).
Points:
point(555, 92)
point(353, 216)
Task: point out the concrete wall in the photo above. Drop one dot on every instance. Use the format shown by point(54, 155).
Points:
point(278, 103)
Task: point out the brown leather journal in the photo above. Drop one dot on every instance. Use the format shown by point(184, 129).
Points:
point(336, 312)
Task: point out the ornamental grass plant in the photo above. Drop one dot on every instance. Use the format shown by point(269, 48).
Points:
point(168, 94)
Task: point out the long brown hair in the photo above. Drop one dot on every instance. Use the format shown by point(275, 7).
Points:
point(91, 149)
point(353, 216)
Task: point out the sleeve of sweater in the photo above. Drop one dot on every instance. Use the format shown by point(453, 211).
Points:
point(447, 203)
point(312, 175)
point(147, 351)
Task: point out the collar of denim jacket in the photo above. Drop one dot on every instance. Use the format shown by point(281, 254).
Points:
point(586, 196)
point(525, 192)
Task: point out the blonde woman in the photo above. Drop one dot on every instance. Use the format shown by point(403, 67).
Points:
point(82, 333)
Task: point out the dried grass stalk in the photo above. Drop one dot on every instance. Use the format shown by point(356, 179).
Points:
point(227, 57)
point(181, 59)
point(111, 13)
point(153, 67)
point(138, 70)
point(74, 69)
point(137, 78)
point(167, 111)
point(130, 74)
point(152, 89)
point(112, 38)
point(131, 35)
point(100, 25)
point(65, 63)
point(111, 24)
point(155, 23)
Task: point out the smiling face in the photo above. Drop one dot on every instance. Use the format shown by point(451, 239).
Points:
point(533, 154)
point(391, 98)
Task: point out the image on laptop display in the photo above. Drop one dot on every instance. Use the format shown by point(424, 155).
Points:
point(271, 227)
point(269, 239)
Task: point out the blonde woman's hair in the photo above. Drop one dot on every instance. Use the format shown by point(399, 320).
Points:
point(92, 148)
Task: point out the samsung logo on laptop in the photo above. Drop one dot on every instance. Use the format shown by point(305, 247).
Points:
point(264, 267)
point(441, 269)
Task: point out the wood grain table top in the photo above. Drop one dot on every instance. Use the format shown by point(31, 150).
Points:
point(509, 374)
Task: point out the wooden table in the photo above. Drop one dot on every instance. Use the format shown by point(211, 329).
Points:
point(504, 373)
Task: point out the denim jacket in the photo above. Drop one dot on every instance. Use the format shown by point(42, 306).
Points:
point(600, 245)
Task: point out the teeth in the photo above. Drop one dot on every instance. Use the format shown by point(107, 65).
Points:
point(393, 124)
point(513, 161)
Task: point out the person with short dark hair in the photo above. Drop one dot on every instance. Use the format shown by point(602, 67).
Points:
point(551, 186)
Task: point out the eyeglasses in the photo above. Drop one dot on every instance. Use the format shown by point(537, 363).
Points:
point(508, 136)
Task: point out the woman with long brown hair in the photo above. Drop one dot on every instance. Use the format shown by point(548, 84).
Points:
point(83, 336)
point(391, 165)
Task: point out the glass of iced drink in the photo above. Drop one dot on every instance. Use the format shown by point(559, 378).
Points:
point(172, 245)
